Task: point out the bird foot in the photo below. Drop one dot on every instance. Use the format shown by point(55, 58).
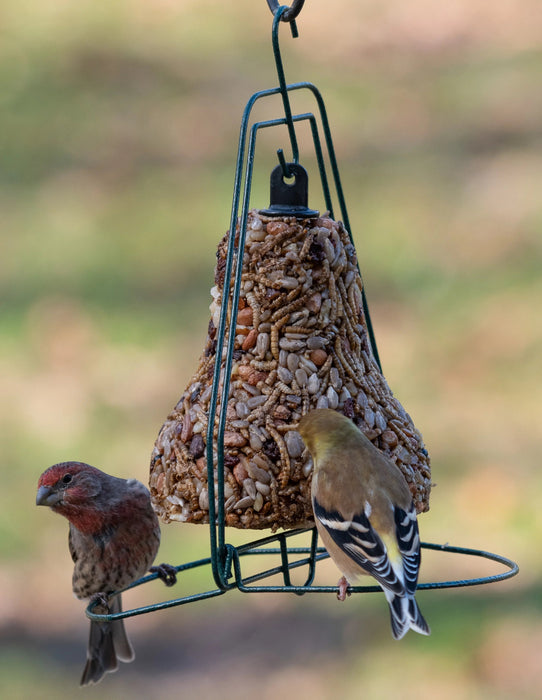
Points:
point(166, 573)
point(343, 589)
point(101, 603)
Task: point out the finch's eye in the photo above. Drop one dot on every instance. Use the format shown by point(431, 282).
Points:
point(66, 478)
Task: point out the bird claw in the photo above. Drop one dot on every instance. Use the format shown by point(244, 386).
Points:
point(100, 600)
point(166, 573)
point(343, 589)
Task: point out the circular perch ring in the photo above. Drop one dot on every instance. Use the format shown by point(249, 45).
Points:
point(234, 555)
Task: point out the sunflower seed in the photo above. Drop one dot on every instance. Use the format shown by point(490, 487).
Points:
point(352, 388)
point(206, 395)
point(300, 335)
point(258, 502)
point(322, 402)
point(250, 488)
point(315, 342)
point(380, 421)
point(292, 362)
point(313, 384)
point(301, 377)
point(308, 364)
point(257, 473)
point(242, 409)
point(204, 499)
point(294, 443)
point(229, 503)
point(332, 397)
point(362, 399)
point(238, 424)
point(335, 379)
point(344, 395)
point(262, 488)
point(253, 390)
point(256, 401)
point(284, 375)
point(243, 503)
point(255, 441)
point(402, 454)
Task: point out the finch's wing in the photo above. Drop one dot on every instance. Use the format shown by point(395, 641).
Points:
point(358, 539)
point(408, 539)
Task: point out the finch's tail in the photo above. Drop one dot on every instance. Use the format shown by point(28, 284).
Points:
point(107, 644)
point(123, 648)
point(405, 614)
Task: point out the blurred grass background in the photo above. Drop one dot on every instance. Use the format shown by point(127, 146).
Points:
point(118, 136)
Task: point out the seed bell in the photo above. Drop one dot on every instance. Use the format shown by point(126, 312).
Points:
point(301, 342)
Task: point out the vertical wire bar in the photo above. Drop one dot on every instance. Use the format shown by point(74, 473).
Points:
point(321, 164)
point(238, 251)
point(342, 203)
point(214, 519)
point(312, 557)
point(217, 524)
point(234, 251)
point(217, 519)
point(284, 560)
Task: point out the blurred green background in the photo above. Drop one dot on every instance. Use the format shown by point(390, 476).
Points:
point(118, 136)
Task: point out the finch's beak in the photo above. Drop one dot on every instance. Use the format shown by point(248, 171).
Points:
point(47, 497)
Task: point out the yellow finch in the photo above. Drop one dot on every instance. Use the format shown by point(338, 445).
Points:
point(364, 514)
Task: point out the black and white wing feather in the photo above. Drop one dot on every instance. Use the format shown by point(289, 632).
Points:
point(358, 539)
point(408, 539)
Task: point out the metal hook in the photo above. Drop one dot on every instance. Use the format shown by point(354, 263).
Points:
point(291, 12)
point(283, 164)
point(282, 81)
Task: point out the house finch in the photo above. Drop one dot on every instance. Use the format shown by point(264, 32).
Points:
point(364, 514)
point(113, 539)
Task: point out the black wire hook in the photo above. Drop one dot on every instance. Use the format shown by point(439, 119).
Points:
point(282, 82)
point(291, 13)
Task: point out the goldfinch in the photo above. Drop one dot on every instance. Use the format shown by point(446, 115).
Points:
point(364, 514)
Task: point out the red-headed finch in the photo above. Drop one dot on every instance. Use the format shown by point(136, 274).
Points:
point(364, 514)
point(113, 539)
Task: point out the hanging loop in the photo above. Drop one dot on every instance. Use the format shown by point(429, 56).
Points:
point(291, 12)
point(289, 199)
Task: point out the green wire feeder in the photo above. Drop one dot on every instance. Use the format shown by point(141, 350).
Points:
point(226, 560)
